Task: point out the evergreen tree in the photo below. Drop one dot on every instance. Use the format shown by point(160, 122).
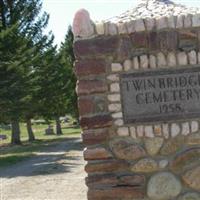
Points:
point(57, 82)
point(52, 95)
point(67, 59)
point(21, 46)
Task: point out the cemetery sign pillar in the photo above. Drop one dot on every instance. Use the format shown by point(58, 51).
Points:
point(139, 102)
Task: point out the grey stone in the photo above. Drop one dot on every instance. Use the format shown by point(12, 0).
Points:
point(193, 139)
point(188, 21)
point(150, 24)
point(119, 122)
point(140, 131)
point(172, 145)
point(190, 196)
point(179, 22)
point(117, 115)
point(148, 131)
point(182, 58)
point(153, 145)
point(130, 26)
point(113, 77)
point(192, 57)
point(175, 130)
point(100, 28)
point(122, 29)
point(196, 20)
point(163, 163)
point(144, 62)
point(114, 97)
point(114, 87)
point(49, 131)
point(171, 22)
point(161, 23)
point(139, 25)
point(155, 9)
point(115, 107)
point(110, 29)
point(133, 132)
point(3, 137)
point(194, 126)
point(135, 63)
point(171, 59)
point(145, 165)
point(152, 62)
point(161, 60)
point(163, 186)
point(192, 178)
point(116, 67)
point(126, 148)
point(127, 65)
point(123, 131)
point(185, 128)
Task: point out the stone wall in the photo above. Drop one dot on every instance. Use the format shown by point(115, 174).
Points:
point(135, 161)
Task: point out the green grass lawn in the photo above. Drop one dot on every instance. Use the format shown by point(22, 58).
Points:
point(39, 131)
point(12, 154)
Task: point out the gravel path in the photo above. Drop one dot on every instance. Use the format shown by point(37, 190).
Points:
point(56, 173)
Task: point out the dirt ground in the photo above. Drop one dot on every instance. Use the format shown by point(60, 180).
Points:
point(56, 173)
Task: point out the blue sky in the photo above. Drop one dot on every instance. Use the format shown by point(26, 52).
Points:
point(62, 11)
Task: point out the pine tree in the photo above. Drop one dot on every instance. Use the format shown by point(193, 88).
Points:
point(21, 45)
point(57, 82)
point(52, 95)
point(67, 59)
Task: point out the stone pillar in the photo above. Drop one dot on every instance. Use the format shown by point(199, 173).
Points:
point(139, 103)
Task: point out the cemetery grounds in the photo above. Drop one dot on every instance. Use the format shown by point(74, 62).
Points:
point(52, 167)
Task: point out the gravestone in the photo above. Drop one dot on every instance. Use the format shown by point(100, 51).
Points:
point(139, 102)
point(3, 137)
point(49, 130)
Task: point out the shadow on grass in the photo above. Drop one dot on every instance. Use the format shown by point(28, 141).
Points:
point(41, 158)
point(36, 145)
point(13, 159)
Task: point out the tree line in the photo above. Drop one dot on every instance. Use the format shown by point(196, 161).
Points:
point(36, 78)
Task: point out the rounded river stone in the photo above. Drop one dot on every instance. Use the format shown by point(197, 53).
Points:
point(127, 149)
point(190, 196)
point(192, 178)
point(163, 186)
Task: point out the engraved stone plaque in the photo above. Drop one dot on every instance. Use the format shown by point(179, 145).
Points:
point(161, 95)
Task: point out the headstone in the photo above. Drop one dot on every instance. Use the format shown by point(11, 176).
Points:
point(49, 130)
point(3, 137)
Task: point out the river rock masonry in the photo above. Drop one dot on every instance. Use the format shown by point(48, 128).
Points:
point(138, 87)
